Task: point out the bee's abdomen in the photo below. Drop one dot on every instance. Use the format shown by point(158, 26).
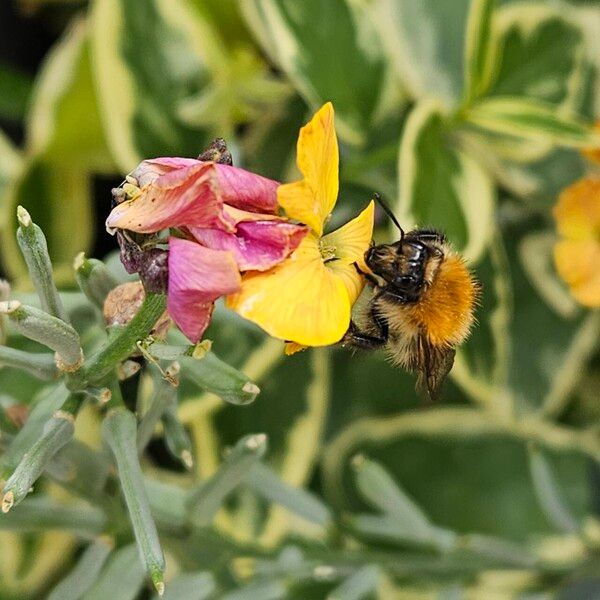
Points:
point(445, 311)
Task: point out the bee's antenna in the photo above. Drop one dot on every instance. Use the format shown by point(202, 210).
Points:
point(388, 211)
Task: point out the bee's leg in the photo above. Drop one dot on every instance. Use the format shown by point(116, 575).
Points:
point(367, 276)
point(367, 341)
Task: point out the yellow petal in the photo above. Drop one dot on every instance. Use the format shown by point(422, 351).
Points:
point(311, 200)
point(593, 153)
point(577, 211)
point(349, 243)
point(291, 348)
point(350, 277)
point(352, 240)
point(577, 263)
point(300, 299)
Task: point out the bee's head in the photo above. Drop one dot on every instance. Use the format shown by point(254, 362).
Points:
point(401, 264)
point(382, 259)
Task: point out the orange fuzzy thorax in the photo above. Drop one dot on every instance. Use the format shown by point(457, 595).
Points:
point(445, 312)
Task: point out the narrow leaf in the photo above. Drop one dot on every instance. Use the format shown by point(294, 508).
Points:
point(40, 513)
point(549, 494)
point(214, 375)
point(379, 489)
point(190, 586)
point(388, 529)
point(119, 430)
point(268, 590)
point(165, 395)
point(84, 574)
point(479, 50)
point(361, 584)
point(39, 365)
point(532, 119)
point(32, 242)
point(168, 505)
point(177, 440)
point(80, 469)
point(56, 433)
point(265, 482)
point(93, 278)
point(121, 579)
point(50, 401)
point(207, 498)
point(41, 327)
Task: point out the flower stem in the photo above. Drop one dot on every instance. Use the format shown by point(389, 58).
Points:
point(103, 362)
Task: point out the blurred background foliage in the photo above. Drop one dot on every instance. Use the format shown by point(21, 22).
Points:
point(466, 115)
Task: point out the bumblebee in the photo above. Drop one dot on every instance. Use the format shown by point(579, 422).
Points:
point(422, 305)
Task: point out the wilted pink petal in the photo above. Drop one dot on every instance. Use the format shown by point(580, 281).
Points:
point(150, 170)
point(197, 277)
point(176, 192)
point(247, 191)
point(236, 215)
point(187, 196)
point(257, 245)
point(240, 188)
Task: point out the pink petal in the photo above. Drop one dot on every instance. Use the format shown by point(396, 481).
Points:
point(149, 170)
point(246, 190)
point(240, 188)
point(180, 197)
point(257, 245)
point(236, 215)
point(197, 277)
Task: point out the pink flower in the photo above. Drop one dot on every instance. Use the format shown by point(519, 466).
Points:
point(227, 218)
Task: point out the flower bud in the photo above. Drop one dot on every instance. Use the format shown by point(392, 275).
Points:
point(122, 304)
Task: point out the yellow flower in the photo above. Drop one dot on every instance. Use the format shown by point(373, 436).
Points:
point(593, 153)
point(307, 299)
point(577, 254)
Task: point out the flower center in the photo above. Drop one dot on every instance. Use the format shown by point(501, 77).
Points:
point(327, 251)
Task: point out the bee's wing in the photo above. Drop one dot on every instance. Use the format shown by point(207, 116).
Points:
point(433, 365)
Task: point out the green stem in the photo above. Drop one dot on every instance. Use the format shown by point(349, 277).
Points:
point(103, 362)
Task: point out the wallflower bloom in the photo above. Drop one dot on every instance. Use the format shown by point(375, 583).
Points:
point(577, 254)
point(226, 223)
point(307, 299)
point(593, 154)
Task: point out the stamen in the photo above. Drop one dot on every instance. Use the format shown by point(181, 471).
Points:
point(327, 251)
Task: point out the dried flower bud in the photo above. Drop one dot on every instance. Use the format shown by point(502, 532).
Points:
point(151, 264)
point(217, 152)
point(123, 303)
point(154, 270)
